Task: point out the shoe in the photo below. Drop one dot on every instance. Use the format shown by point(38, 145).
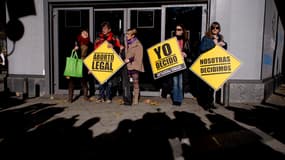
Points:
point(164, 96)
point(210, 110)
point(109, 101)
point(212, 106)
point(127, 103)
point(92, 98)
point(99, 100)
point(87, 99)
point(175, 103)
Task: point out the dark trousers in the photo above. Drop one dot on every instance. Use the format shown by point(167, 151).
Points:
point(205, 96)
point(190, 82)
point(71, 87)
point(126, 87)
point(91, 82)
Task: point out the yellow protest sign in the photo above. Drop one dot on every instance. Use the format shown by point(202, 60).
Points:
point(165, 58)
point(215, 66)
point(103, 62)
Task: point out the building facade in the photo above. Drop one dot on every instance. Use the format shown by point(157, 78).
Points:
point(252, 29)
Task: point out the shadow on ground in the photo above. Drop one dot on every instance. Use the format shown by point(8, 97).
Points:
point(28, 133)
point(267, 117)
point(8, 100)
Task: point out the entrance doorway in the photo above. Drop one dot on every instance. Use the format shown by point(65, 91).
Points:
point(157, 24)
point(67, 24)
point(147, 21)
point(191, 16)
point(153, 25)
point(116, 19)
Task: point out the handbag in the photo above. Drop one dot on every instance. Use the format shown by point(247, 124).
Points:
point(74, 65)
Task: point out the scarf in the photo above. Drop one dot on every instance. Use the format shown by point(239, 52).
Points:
point(83, 41)
point(131, 41)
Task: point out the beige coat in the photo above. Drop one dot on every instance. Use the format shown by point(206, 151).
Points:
point(135, 50)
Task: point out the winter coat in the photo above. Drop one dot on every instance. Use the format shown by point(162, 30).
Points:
point(135, 52)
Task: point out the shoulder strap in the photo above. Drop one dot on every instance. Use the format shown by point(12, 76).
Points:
point(74, 54)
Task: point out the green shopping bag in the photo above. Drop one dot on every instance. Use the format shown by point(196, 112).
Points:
point(74, 65)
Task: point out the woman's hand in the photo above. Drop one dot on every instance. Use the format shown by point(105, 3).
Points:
point(75, 48)
point(110, 46)
point(222, 43)
point(127, 60)
point(216, 41)
point(122, 48)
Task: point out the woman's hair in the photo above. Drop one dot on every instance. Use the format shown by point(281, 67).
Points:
point(215, 24)
point(183, 30)
point(132, 31)
point(84, 29)
point(209, 31)
point(106, 23)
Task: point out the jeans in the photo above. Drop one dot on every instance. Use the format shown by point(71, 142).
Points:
point(177, 91)
point(106, 87)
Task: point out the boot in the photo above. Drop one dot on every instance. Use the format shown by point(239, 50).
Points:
point(85, 94)
point(70, 95)
point(136, 96)
point(84, 89)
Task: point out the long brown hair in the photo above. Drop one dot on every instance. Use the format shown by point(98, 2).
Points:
point(209, 31)
point(183, 29)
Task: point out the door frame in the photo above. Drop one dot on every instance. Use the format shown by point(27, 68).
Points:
point(114, 9)
point(126, 23)
point(143, 9)
point(55, 68)
point(203, 25)
point(163, 26)
point(145, 93)
point(204, 16)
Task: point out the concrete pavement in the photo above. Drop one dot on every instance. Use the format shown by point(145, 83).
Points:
point(52, 128)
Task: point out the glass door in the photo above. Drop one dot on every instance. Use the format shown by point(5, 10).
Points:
point(67, 23)
point(116, 19)
point(147, 21)
point(192, 17)
point(157, 24)
point(154, 24)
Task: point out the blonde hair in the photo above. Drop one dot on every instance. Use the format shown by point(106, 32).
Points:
point(132, 31)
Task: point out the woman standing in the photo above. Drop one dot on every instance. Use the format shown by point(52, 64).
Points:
point(134, 60)
point(177, 88)
point(105, 89)
point(212, 37)
point(83, 44)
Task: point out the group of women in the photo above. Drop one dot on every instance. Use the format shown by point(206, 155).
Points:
point(134, 61)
